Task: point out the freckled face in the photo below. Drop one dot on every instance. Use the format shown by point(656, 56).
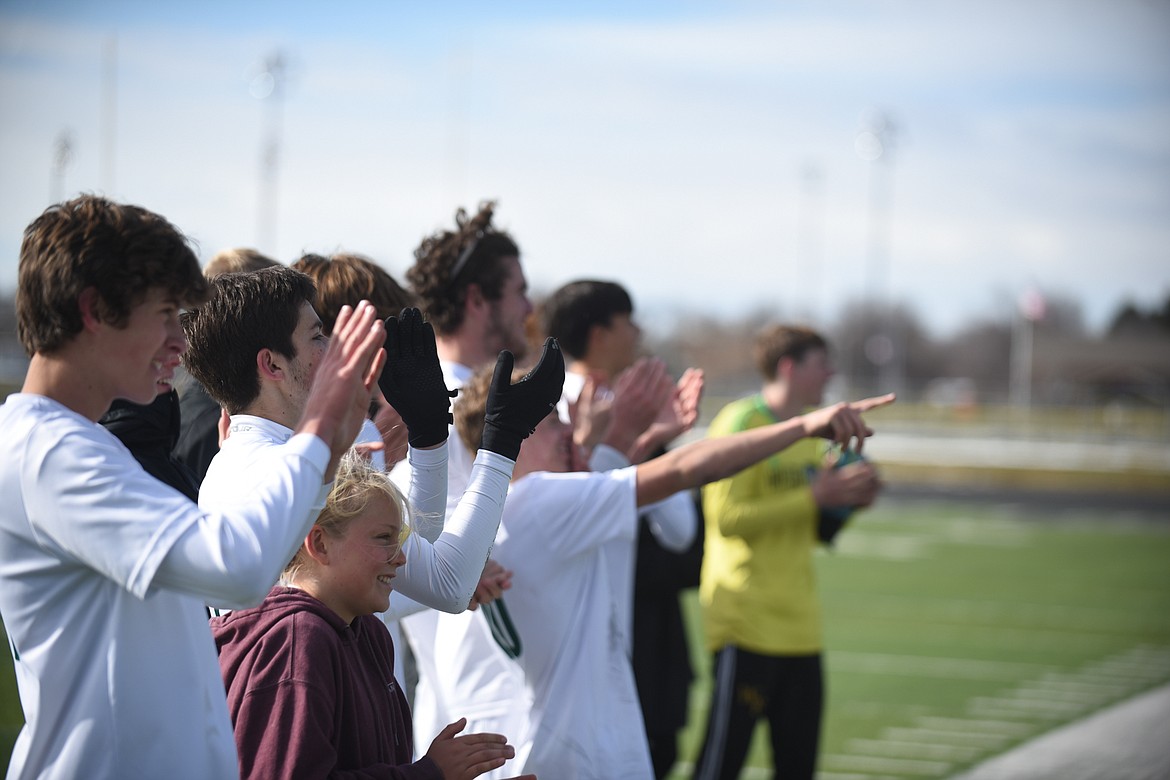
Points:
point(363, 561)
point(310, 344)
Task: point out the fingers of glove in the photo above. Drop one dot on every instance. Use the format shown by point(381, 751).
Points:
point(548, 375)
point(502, 376)
point(415, 335)
point(427, 349)
point(392, 339)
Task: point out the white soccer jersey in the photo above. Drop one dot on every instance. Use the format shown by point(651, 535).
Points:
point(585, 721)
point(118, 674)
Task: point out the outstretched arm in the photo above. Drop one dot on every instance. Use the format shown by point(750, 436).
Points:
point(709, 460)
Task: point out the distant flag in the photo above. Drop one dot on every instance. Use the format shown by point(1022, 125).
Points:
point(1032, 305)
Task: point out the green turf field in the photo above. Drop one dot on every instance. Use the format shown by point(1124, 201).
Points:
point(956, 631)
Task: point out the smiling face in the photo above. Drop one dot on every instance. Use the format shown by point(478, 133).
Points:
point(142, 355)
point(354, 576)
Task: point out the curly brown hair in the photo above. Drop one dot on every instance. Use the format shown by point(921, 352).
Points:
point(447, 262)
point(121, 251)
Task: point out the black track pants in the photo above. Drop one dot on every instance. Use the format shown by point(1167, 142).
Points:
point(787, 690)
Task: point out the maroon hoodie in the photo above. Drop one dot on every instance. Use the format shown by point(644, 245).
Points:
point(313, 697)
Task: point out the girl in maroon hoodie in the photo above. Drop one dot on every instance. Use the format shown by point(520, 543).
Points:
point(310, 671)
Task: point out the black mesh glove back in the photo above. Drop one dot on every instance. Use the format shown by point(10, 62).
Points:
point(412, 380)
point(514, 410)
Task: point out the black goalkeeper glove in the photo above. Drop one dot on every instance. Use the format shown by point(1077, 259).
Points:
point(514, 410)
point(412, 379)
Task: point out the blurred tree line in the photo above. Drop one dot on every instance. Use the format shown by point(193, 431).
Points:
point(878, 348)
point(886, 347)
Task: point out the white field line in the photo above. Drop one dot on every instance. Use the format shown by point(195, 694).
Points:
point(1083, 698)
point(988, 711)
point(969, 725)
point(1042, 696)
point(1059, 708)
point(898, 766)
point(1108, 689)
point(973, 739)
point(924, 666)
point(1001, 614)
point(919, 750)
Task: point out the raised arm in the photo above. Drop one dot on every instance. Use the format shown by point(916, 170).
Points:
point(709, 460)
point(444, 575)
point(340, 396)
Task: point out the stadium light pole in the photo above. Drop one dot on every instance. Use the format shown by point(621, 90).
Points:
point(875, 143)
point(268, 86)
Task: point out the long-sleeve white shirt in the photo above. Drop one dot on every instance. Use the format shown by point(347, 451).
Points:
point(442, 574)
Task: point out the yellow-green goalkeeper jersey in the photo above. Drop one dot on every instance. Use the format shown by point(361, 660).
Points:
point(758, 586)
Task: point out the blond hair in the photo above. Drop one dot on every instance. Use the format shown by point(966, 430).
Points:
point(355, 485)
point(234, 261)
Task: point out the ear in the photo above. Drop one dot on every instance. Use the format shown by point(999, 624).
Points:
point(784, 368)
point(270, 364)
point(316, 545)
point(474, 298)
point(595, 341)
point(87, 304)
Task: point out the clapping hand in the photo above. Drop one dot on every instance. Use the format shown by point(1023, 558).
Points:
point(514, 410)
point(412, 379)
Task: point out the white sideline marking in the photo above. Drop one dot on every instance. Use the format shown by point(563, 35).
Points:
point(1005, 728)
point(901, 766)
point(1085, 698)
point(900, 749)
point(924, 666)
point(969, 739)
point(1027, 705)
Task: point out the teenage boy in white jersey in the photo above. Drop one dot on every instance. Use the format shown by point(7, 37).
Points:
point(585, 721)
point(104, 571)
point(255, 344)
point(593, 321)
point(470, 283)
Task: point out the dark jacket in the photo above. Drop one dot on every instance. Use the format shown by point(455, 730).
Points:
point(198, 440)
point(313, 697)
point(149, 431)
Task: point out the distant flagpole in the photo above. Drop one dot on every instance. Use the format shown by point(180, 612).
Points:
point(1028, 312)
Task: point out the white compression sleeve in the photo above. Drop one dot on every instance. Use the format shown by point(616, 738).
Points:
point(428, 490)
point(444, 575)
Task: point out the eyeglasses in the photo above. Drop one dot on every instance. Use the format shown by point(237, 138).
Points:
point(464, 256)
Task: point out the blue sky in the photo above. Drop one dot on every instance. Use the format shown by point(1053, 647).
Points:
point(703, 154)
